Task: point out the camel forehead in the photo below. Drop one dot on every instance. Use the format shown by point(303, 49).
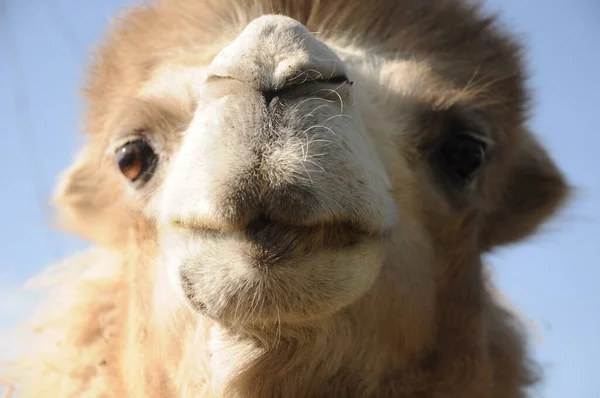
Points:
point(156, 38)
point(173, 79)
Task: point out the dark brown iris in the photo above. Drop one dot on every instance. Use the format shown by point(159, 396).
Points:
point(135, 159)
point(464, 154)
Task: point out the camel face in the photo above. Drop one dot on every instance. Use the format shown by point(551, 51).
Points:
point(275, 201)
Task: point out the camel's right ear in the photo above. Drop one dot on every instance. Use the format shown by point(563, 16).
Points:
point(89, 201)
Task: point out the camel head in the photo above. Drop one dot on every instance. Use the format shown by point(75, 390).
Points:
point(280, 160)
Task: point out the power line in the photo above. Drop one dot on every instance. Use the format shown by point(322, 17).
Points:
point(23, 112)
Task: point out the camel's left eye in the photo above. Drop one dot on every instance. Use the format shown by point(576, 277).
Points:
point(136, 160)
point(463, 155)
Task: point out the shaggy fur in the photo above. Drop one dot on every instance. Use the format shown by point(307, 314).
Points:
point(309, 248)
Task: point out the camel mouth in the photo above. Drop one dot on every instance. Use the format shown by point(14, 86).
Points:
point(266, 268)
point(269, 242)
point(271, 236)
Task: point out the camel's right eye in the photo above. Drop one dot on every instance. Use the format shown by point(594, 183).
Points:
point(136, 160)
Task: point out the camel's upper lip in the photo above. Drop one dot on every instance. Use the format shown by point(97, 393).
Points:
point(267, 233)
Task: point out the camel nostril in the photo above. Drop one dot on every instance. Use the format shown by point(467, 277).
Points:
point(269, 96)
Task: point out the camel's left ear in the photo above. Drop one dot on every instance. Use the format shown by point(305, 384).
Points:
point(534, 190)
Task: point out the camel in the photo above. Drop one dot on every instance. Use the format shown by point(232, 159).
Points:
point(292, 198)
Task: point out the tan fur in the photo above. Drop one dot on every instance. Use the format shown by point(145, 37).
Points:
point(382, 308)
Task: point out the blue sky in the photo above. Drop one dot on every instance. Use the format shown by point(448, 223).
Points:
point(553, 278)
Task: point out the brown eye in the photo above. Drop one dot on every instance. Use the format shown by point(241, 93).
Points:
point(136, 160)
